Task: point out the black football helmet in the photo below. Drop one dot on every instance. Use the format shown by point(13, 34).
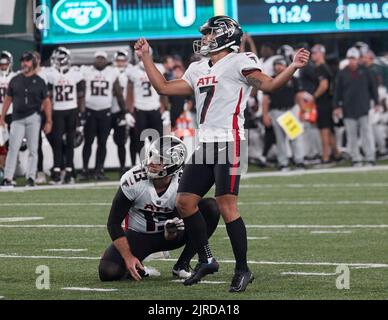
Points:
point(6, 62)
point(62, 60)
point(168, 151)
point(226, 33)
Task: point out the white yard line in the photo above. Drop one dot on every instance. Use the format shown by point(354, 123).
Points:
point(252, 238)
point(63, 186)
point(53, 226)
point(202, 281)
point(352, 264)
point(312, 226)
point(16, 256)
point(314, 202)
point(56, 204)
point(308, 274)
point(89, 289)
point(19, 219)
point(314, 185)
point(65, 250)
point(2, 297)
point(314, 171)
point(246, 203)
point(330, 232)
point(251, 226)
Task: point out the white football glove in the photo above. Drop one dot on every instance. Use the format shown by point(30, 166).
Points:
point(172, 226)
point(130, 120)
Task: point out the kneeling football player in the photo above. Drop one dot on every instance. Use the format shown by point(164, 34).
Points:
point(147, 193)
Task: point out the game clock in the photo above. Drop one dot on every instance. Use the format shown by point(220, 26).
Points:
point(268, 17)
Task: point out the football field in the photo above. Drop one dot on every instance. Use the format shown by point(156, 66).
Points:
point(300, 229)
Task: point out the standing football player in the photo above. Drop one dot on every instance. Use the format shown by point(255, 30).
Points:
point(119, 124)
point(221, 85)
point(145, 103)
point(6, 74)
point(147, 196)
point(102, 84)
point(44, 73)
point(67, 89)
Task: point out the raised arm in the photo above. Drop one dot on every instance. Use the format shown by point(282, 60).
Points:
point(162, 86)
point(263, 82)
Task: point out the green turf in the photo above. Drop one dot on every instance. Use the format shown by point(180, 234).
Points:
point(263, 201)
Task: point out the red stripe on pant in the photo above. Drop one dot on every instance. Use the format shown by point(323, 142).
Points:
point(236, 144)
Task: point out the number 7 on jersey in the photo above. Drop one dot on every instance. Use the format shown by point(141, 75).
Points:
point(209, 96)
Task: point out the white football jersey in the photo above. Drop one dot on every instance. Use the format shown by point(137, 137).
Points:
point(145, 96)
point(221, 94)
point(123, 79)
point(45, 73)
point(65, 88)
point(148, 211)
point(99, 86)
point(4, 81)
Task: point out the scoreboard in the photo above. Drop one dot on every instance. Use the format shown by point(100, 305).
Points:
point(268, 17)
point(74, 21)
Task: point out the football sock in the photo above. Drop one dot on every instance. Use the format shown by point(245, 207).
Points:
point(187, 254)
point(238, 238)
point(196, 229)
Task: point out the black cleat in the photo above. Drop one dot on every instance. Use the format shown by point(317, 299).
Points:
point(30, 182)
point(100, 176)
point(56, 177)
point(84, 175)
point(201, 270)
point(6, 184)
point(240, 281)
point(69, 179)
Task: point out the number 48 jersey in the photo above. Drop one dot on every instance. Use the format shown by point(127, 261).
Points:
point(145, 96)
point(221, 94)
point(148, 211)
point(64, 88)
point(99, 86)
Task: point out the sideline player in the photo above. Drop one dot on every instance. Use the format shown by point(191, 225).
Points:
point(221, 86)
point(67, 89)
point(145, 103)
point(6, 74)
point(101, 85)
point(119, 125)
point(147, 194)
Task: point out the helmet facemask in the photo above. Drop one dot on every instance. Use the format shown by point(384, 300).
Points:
point(226, 34)
point(121, 60)
point(206, 45)
point(6, 59)
point(62, 60)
